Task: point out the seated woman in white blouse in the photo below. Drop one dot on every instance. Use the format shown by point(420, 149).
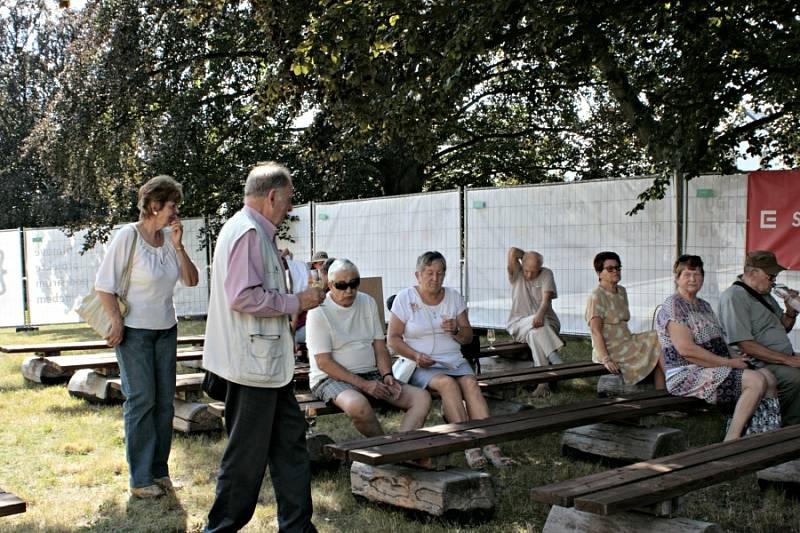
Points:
point(146, 339)
point(349, 360)
point(428, 324)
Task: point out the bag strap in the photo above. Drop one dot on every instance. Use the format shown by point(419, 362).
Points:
point(755, 295)
point(126, 277)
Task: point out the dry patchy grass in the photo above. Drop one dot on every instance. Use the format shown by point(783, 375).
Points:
point(66, 457)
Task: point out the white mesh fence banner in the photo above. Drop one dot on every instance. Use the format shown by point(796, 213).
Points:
point(59, 275)
point(300, 233)
point(716, 228)
point(12, 300)
point(384, 236)
point(568, 224)
point(193, 301)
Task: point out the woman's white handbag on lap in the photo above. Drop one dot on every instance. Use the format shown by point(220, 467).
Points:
point(403, 368)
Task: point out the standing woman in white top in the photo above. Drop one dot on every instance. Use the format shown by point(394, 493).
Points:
point(428, 324)
point(146, 339)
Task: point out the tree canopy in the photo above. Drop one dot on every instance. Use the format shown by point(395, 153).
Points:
point(405, 95)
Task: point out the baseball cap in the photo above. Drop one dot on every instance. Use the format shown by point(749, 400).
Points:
point(765, 260)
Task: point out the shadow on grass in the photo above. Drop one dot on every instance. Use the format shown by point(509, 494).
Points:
point(80, 408)
point(160, 514)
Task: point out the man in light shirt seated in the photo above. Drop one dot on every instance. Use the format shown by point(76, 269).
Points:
point(349, 361)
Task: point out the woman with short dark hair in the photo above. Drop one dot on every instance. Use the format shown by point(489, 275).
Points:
point(634, 356)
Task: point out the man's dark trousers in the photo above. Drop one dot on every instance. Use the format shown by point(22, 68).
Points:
point(265, 428)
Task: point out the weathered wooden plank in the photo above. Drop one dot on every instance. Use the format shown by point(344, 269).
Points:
point(668, 485)
point(108, 360)
point(51, 349)
point(544, 376)
point(562, 519)
point(183, 382)
point(342, 448)
point(564, 492)
point(623, 442)
point(784, 476)
point(535, 370)
point(492, 431)
point(11, 504)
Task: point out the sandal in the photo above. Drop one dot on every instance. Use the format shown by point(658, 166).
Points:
point(475, 459)
point(493, 453)
point(542, 391)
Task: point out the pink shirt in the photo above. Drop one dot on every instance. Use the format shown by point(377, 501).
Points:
point(244, 282)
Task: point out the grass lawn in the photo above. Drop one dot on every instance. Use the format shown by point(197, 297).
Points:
point(66, 458)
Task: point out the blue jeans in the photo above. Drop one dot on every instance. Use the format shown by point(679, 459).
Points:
point(147, 367)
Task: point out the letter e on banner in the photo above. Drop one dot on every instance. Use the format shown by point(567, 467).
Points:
point(773, 217)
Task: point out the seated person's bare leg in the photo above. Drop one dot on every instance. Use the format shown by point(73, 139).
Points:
point(416, 403)
point(452, 400)
point(772, 383)
point(358, 408)
point(454, 411)
point(478, 409)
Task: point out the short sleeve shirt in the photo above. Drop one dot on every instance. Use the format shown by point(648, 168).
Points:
point(423, 324)
point(347, 333)
point(746, 319)
point(527, 296)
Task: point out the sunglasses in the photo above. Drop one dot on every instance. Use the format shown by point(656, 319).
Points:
point(344, 285)
point(772, 277)
point(613, 268)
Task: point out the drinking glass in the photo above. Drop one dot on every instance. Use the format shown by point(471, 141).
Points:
point(491, 338)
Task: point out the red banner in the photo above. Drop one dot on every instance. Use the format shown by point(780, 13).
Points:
point(773, 214)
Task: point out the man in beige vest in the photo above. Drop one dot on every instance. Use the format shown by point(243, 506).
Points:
point(249, 342)
point(532, 319)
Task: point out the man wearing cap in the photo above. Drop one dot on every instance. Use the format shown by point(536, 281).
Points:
point(318, 259)
point(756, 325)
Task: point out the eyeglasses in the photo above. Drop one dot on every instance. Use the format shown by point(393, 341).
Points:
point(772, 277)
point(613, 268)
point(344, 285)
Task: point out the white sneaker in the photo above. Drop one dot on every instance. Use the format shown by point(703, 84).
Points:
point(554, 358)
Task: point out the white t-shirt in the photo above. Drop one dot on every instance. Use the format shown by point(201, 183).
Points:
point(346, 333)
point(153, 276)
point(298, 270)
point(423, 323)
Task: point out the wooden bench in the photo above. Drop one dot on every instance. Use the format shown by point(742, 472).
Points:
point(539, 374)
point(11, 504)
point(106, 361)
point(41, 367)
point(661, 480)
point(448, 438)
point(475, 352)
point(57, 348)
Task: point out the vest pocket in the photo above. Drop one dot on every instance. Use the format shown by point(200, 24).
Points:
point(264, 358)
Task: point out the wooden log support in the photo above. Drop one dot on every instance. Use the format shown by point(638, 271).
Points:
point(315, 443)
point(564, 519)
point(436, 493)
point(785, 476)
point(11, 504)
point(191, 417)
point(611, 385)
point(40, 370)
point(622, 442)
point(93, 387)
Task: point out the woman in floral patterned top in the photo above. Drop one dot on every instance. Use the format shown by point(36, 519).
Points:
point(634, 355)
point(697, 360)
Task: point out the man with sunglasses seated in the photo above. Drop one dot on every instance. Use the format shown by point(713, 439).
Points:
point(756, 325)
point(350, 365)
